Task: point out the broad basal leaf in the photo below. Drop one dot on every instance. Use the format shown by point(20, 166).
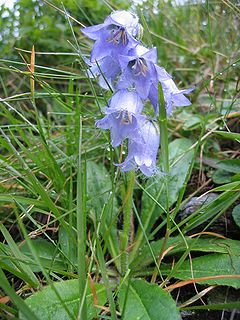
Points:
point(211, 245)
point(46, 253)
point(230, 165)
point(236, 215)
point(46, 305)
point(144, 301)
point(99, 191)
point(225, 265)
point(229, 135)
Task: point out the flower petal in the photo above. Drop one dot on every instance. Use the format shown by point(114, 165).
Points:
point(103, 123)
point(93, 32)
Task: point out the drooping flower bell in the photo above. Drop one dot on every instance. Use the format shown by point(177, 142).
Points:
point(106, 69)
point(139, 70)
point(117, 35)
point(172, 96)
point(123, 117)
point(142, 155)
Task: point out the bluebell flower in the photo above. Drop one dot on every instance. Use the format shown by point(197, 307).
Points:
point(117, 35)
point(130, 70)
point(143, 155)
point(139, 70)
point(106, 69)
point(172, 96)
point(123, 117)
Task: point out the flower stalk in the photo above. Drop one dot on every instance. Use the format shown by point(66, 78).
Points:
point(162, 120)
point(127, 217)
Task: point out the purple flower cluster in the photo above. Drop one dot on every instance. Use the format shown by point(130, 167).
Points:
point(130, 70)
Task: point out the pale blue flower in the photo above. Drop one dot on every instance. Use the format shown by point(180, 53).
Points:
point(117, 35)
point(107, 69)
point(130, 70)
point(143, 155)
point(123, 117)
point(172, 96)
point(140, 71)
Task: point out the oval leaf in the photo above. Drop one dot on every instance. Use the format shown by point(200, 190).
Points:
point(46, 305)
point(99, 191)
point(47, 254)
point(236, 215)
point(225, 265)
point(144, 301)
point(229, 135)
point(178, 245)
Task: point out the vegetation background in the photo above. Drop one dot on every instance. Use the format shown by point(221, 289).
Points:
point(56, 168)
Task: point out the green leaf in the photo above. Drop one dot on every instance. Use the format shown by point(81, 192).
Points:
point(217, 306)
point(141, 300)
point(229, 135)
point(99, 187)
point(215, 245)
point(47, 254)
point(227, 187)
point(47, 306)
point(222, 176)
point(236, 177)
point(181, 158)
point(99, 191)
point(232, 165)
point(69, 250)
point(214, 208)
point(192, 122)
point(209, 266)
point(236, 215)
point(106, 281)
point(15, 252)
point(23, 200)
point(36, 184)
point(10, 291)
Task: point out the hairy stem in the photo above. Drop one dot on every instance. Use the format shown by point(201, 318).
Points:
point(127, 216)
point(162, 120)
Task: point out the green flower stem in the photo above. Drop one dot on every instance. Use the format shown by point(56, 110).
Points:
point(127, 216)
point(162, 120)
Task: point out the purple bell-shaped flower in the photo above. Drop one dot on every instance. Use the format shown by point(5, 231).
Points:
point(123, 117)
point(143, 155)
point(117, 35)
point(139, 70)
